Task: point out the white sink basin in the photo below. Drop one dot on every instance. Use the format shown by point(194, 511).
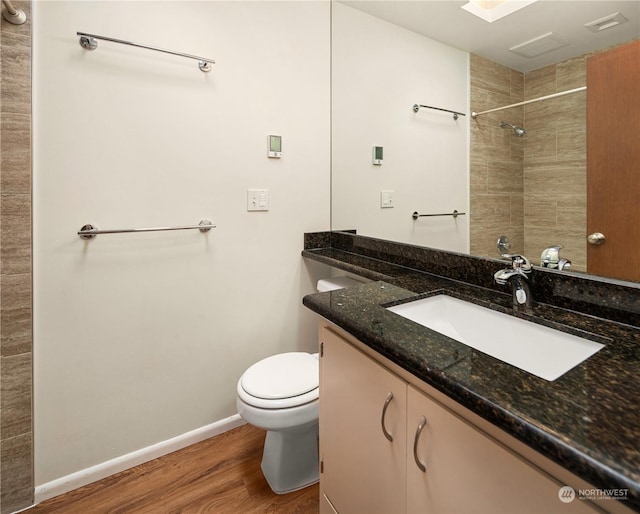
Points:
point(540, 350)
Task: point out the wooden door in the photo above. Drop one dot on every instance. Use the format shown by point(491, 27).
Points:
point(613, 161)
point(362, 471)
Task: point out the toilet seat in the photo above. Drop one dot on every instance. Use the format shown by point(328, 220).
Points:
point(280, 381)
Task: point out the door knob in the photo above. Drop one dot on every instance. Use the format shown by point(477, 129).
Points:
point(597, 238)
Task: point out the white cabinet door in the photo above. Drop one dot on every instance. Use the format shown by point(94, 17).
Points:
point(466, 471)
point(362, 470)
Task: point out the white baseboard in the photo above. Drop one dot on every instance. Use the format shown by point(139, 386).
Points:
point(105, 469)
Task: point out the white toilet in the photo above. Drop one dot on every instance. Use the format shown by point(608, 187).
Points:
point(280, 395)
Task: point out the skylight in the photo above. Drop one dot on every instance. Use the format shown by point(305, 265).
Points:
point(492, 10)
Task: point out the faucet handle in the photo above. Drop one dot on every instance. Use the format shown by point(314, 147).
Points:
point(550, 258)
point(519, 262)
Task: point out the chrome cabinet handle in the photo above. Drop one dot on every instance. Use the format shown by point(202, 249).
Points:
point(597, 238)
point(421, 425)
point(384, 413)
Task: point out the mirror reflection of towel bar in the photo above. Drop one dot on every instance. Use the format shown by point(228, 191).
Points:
point(89, 231)
point(455, 214)
point(416, 108)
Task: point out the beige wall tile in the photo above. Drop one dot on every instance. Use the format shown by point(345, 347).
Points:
point(548, 179)
point(572, 212)
point(540, 211)
point(517, 86)
point(490, 142)
point(571, 74)
point(516, 145)
point(541, 146)
point(490, 76)
point(15, 153)
point(546, 203)
point(16, 475)
point(572, 142)
point(540, 115)
point(16, 395)
point(490, 209)
point(15, 84)
point(15, 233)
point(516, 210)
point(16, 447)
point(15, 314)
point(496, 158)
point(504, 177)
point(478, 176)
point(540, 82)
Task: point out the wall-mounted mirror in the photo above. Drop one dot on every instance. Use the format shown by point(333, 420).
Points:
point(520, 171)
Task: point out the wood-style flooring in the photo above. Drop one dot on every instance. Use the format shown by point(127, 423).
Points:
point(219, 475)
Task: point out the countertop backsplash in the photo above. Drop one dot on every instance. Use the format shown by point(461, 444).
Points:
point(379, 259)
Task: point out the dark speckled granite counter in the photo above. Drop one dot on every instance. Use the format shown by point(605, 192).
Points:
point(588, 420)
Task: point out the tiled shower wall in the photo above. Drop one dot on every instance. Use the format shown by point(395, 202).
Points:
point(555, 162)
point(531, 189)
point(497, 157)
point(16, 468)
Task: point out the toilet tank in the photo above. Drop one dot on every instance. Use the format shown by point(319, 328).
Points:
point(331, 284)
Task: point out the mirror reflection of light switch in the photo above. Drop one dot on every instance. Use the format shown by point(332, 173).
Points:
point(386, 199)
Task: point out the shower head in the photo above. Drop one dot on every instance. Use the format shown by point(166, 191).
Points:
point(518, 131)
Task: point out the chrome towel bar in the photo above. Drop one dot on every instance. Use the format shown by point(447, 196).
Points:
point(417, 107)
point(89, 231)
point(88, 42)
point(455, 214)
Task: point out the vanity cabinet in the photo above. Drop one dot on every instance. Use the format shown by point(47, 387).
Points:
point(386, 446)
point(361, 469)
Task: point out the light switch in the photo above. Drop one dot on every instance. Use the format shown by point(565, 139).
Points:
point(386, 199)
point(257, 199)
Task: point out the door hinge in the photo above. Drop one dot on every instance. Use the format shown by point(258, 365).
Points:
point(321, 466)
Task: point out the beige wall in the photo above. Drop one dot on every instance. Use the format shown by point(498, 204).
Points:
point(16, 477)
point(425, 153)
point(140, 338)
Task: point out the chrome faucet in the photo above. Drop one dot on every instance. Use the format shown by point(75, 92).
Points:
point(550, 258)
point(517, 277)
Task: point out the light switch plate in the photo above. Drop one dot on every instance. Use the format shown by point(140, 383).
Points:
point(386, 199)
point(257, 199)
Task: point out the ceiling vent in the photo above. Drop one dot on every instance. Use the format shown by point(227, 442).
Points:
point(539, 45)
point(606, 23)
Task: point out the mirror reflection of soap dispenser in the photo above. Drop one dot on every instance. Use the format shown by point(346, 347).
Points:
point(550, 258)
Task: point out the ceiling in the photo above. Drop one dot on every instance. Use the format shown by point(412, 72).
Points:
point(445, 21)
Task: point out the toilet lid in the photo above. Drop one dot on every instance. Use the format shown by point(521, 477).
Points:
point(282, 376)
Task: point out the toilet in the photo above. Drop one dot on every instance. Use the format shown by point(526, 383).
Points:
point(280, 394)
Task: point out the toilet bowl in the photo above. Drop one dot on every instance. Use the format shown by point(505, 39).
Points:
point(280, 394)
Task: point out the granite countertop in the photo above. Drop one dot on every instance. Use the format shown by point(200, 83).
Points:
point(588, 420)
